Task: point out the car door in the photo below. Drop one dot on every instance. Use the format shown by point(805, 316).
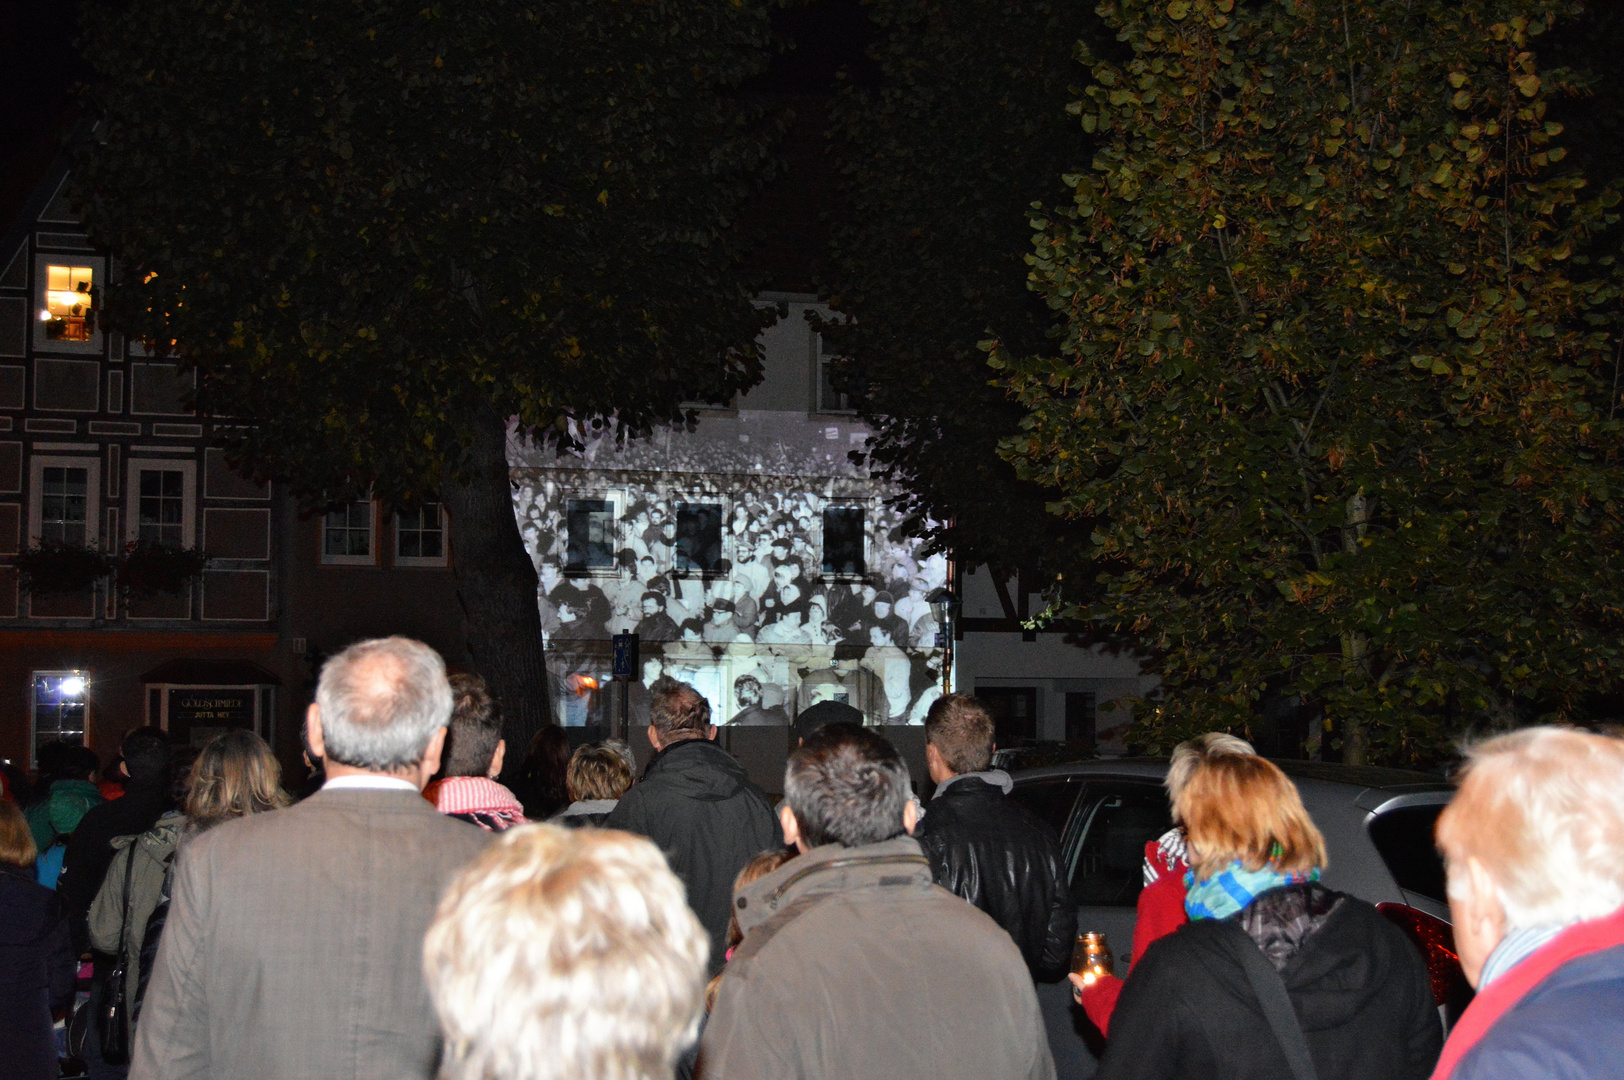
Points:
point(1105, 852)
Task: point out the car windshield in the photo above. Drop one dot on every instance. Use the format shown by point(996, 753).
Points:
point(1403, 836)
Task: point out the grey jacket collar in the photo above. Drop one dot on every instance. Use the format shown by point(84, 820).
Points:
point(586, 806)
point(831, 868)
point(997, 778)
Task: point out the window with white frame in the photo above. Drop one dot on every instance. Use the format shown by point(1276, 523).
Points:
point(57, 708)
point(67, 296)
point(420, 536)
point(347, 534)
point(829, 400)
point(162, 503)
point(64, 500)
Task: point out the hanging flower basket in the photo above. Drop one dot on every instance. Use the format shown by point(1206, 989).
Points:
point(56, 568)
point(149, 569)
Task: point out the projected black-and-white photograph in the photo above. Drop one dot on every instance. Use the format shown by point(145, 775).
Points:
point(750, 558)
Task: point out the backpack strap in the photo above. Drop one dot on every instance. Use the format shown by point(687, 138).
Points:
point(1276, 1003)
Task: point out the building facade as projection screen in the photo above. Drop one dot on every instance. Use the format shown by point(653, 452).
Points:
point(751, 557)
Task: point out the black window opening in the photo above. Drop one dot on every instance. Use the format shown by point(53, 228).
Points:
point(1014, 713)
point(591, 543)
point(161, 509)
point(1403, 838)
point(1119, 819)
point(843, 554)
point(699, 537)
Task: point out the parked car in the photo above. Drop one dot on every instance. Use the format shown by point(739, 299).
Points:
point(1378, 826)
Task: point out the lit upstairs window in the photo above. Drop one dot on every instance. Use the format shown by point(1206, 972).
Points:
point(68, 314)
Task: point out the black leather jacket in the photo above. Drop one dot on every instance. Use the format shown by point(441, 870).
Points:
point(1006, 862)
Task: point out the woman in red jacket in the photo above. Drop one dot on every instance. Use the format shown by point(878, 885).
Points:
point(1161, 902)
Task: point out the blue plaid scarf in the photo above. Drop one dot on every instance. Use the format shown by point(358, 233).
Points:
point(1232, 889)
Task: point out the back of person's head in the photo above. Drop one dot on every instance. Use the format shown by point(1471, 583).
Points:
point(597, 772)
point(475, 729)
point(677, 710)
point(561, 954)
point(68, 761)
point(235, 775)
point(814, 718)
point(182, 756)
point(846, 785)
point(1242, 808)
point(961, 729)
point(621, 747)
point(1543, 811)
point(146, 753)
point(16, 842)
point(381, 701)
point(1188, 755)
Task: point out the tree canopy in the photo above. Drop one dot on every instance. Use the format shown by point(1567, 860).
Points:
point(379, 230)
point(937, 165)
point(1336, 369)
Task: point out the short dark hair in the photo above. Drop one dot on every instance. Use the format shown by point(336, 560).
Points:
point(846, 785)
point(814, 718)
point(475, 728)
point(677, 709)
point(962, 730)
point(146, 752)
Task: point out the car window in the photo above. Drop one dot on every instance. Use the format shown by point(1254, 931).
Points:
point(1119, 819)
point(1403, 837)
point(1049, 800)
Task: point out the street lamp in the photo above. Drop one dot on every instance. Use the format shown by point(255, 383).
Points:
point(944, 606)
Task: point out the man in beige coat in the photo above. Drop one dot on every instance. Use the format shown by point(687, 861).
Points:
point(854, 963)
point(294, 946)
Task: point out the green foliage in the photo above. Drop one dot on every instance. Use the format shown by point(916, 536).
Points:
point(366, 221)
point(937, 165)
point(1337, 369)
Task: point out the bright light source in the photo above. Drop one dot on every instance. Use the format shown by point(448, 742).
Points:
point(44, 315)
point(73, 686)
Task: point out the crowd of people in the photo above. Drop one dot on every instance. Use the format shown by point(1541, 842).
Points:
point(413, 916)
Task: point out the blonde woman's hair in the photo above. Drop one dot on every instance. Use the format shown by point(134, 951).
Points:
point(235, 775)
point(596, 772)
point(1543, 810)
point(16, 842)
point(1188, 755)
point(565, 953)
point(1242, 808)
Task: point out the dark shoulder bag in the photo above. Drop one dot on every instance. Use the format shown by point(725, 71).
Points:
point(1271, 995)
point(113, 1015)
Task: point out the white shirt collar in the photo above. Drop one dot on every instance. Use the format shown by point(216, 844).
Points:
point(370, 780)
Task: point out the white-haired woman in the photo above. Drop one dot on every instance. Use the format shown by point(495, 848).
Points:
point(565, 954)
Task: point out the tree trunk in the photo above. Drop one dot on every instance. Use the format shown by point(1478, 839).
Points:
point(496, 585)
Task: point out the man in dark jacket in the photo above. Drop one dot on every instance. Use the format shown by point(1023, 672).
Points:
point(697, 804)
point(854, 963)
point(1533, 841)
point(147, 794)
point(988, 849)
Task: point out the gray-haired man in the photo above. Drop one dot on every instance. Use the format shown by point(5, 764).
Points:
point(854, 963)
point(294, 946)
